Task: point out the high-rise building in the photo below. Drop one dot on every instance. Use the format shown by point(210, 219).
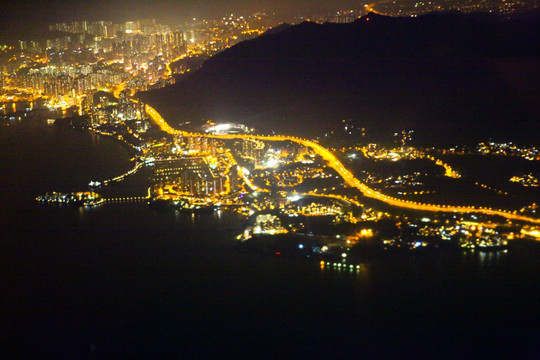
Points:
point(252, 149)
point(130, 27)
point(234, 178)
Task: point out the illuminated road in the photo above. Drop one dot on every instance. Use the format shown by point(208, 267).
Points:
point(168, 70)
point(118, 89)
point(124, 175)
point(349, 178)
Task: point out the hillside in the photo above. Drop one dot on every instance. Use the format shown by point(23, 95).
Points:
point(446, 74)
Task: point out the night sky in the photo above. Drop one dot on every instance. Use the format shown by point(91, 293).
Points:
point(23, 16)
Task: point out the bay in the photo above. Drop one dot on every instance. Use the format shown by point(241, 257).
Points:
point(125, 281)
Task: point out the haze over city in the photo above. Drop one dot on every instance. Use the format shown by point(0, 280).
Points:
point(28, 14)
point(28, 17)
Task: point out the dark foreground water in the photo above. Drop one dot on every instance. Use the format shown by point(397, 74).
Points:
point(124, 281)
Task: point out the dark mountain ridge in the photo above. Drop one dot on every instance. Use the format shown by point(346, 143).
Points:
point(442, 73)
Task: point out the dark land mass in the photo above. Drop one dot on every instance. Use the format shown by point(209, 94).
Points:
point(450, 76)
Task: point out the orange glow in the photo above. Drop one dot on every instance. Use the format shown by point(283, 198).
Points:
point(346, 174)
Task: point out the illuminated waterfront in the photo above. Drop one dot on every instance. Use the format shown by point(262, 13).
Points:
point(123, 279)
point(349, 177)
point(147, 241)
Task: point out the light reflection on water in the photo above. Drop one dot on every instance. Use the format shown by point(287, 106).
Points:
point(491, 258)
point(18, 106)
point(112, 263)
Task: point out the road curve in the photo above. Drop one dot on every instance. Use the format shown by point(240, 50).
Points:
point(349, 178)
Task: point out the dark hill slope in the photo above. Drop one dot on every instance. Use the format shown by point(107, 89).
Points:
point(439, 73)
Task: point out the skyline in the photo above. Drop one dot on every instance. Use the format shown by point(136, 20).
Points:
point(28, 18)
point(21, 17)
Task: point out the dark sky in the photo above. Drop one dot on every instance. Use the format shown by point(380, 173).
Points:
point(21, 15)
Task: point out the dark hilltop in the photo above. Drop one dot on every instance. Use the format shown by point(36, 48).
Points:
point(449, 76)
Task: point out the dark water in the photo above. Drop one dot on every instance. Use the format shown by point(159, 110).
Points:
point(124, 281)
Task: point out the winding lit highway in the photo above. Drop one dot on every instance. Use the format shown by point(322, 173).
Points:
point(349, 178)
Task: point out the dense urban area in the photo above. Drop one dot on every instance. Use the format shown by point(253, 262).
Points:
point(87, 75)
point(270, 179)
